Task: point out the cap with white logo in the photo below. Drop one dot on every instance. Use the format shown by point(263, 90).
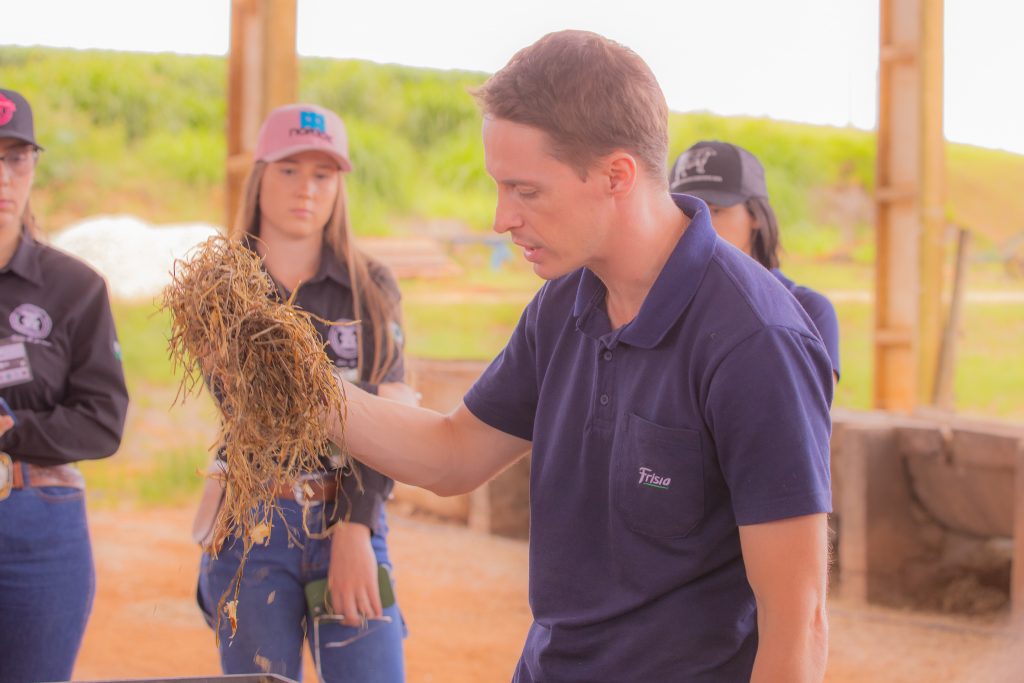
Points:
point(719, 173)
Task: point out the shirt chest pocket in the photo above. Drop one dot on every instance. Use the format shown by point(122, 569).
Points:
point(658, 478)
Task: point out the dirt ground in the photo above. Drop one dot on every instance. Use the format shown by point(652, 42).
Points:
point(464, 597)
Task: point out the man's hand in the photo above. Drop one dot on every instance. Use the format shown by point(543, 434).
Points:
point(352, 574)
point(5, 423)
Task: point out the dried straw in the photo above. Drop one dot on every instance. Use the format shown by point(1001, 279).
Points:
point(266, 364)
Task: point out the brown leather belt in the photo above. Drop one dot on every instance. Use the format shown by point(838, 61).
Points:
point(311, 490)
point(20, 475)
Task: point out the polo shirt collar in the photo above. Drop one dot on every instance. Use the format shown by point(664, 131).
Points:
point(330, 268)
point(25, 261)
point(670, 295)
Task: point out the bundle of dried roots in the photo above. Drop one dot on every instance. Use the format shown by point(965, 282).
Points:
point(267, 367)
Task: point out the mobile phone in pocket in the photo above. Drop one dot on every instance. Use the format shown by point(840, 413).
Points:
point(5, 409)
point(318, 595)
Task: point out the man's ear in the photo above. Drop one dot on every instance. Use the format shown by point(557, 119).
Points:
point(621, 169)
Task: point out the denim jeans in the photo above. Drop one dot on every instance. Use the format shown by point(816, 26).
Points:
point(47, 583)
point(273, 618)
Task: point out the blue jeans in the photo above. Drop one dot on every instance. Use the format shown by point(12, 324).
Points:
point(273, 618)
point(47, 583)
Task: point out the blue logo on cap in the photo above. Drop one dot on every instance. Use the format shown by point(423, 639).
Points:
point(310, 119)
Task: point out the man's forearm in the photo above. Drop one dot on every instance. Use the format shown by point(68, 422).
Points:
point(792, 646)
point(447, 454)
point(406, 443)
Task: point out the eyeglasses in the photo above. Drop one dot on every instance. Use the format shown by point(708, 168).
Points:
point(21, 160)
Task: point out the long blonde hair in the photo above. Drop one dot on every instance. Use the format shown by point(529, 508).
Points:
point(370, 300)
point(28, 220)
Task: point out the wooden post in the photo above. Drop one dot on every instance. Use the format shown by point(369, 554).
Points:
point(945, 374)
point(909, 203)
point(262, 74)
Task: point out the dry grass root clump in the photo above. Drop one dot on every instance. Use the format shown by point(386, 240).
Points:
point(267, 366)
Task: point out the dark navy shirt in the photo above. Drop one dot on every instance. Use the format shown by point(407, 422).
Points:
point(651, 443)
point(60, 362)
point(822, 313)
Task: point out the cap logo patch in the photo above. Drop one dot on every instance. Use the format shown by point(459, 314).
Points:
point(310, 119)
point(311, 123)
point(31, 321)
point(691, 166)
point(7, 109)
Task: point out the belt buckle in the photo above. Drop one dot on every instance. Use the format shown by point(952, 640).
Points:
point(298, 493)
point(6, 475)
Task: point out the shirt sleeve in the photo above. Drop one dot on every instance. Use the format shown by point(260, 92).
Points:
point(88, 422)
point(505, 396)
point(367, 505)
point(767, 409)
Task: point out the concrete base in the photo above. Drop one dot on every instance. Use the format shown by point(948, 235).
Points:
point(926, 508)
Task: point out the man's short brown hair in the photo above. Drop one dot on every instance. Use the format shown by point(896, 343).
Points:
point(590, 95)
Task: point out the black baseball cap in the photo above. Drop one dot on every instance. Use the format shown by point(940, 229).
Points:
point(16, 117)
point(719, 173)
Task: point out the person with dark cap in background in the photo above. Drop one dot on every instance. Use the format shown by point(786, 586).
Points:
point(63, 400)
point(732, 182)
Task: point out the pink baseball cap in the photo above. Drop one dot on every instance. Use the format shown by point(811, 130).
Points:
point(298, 128)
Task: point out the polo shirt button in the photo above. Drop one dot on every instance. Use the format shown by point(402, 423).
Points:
point(604, 399)
point(607, 355)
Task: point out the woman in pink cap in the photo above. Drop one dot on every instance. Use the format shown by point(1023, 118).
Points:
point(294, 214)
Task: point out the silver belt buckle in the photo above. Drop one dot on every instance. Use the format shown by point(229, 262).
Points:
point(6, 475)
point(298, 493)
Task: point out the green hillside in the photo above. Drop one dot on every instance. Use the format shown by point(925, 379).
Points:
point(143, 133)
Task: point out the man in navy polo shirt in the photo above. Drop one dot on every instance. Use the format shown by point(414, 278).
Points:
point(675, 395)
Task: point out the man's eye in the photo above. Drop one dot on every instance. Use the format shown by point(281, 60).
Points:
point(527, 194)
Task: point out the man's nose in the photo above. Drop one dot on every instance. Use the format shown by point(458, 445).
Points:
point(506, 216)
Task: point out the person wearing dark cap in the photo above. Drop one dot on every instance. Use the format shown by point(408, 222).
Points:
point(732, 182)
point(61, 378)
point(675, 400)
point(294, 215)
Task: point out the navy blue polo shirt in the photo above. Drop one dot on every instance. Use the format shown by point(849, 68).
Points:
point(651, 443)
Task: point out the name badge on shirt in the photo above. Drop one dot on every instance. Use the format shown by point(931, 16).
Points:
point(14, 366)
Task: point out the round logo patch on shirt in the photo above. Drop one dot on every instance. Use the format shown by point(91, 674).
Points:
point(344, 341)
point(31, 321)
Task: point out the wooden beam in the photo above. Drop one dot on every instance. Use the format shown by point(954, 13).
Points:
point(908, 203)
point(262, 75)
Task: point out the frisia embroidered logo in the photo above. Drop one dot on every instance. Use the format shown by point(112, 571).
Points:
point(649, 478)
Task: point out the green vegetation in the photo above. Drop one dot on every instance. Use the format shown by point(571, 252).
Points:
point(144, 133)
point(165, 477)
